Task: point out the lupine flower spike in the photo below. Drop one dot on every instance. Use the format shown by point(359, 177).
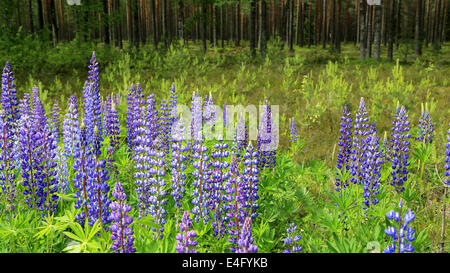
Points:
point(292, 239)
point(186, 239)
point(402, 233)
point(122, 234)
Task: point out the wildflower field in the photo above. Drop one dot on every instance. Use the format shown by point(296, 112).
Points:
point(94, 157)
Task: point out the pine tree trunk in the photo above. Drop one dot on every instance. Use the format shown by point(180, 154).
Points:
point(263, 24)
point(377, 38)
point(204, 25)
point(362, 28)
point(252, 27)
point(391, 32)
point(180, 20)
point(418, 28)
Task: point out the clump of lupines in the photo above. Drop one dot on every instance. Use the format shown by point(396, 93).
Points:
point(360, 133)
point(9, 97)
point(71, 128)
point(245, 241)
point(345, 149)
point(292, 239)
point(219, 179)
point(99, 202)
point(250, 180)
point(7, 166)
point(447, 159)
point(186, 239)
point(292, 131)
point(121, 232)
point(399, 149)
point(402, 233)
point(426, 128)
point(371, 169)
point(235, 209)
point(202, 175)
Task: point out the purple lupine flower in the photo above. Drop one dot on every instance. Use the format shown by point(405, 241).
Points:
point(131, 118)
point(173, 106)
point(196, 119)
point(55, 122)
point(28, 141)
point(293, 131)
point(361, 131)
point(71, 128)
point(371, 168)
point(9, 97)
point(93, 81)
point(447, 159)
point(82, 181)
point(235, 210)
point(165, 125)
point(62, 171)
point(178, 166)
point(401, 233)
point(88, 107)
point(39, 116)
point(399, 149)
point(98, 206)
point(292, 239)
point(121, 232)
point(225, 115)
point(426, 128)
point(245, 241)
point(186, 239)
point(266, 135)
point(209, 113)
point(240, 138)
point(7, 166)
point(250, 180)
point(112, 130)
point(219, 179)
point(157, 183)
point(345, 149)
point(202, 175)
point(46, 173)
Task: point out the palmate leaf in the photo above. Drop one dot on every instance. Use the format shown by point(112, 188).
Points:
point(146, 221)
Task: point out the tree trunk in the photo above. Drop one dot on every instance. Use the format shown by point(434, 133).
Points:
point(252, 27)
point(262, 29)
point(391, 32)
point(180, 20)
point(377, 38)
point(418, 28)
point(362, 28)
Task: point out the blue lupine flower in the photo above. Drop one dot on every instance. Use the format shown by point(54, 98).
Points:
point(62, 171)
point(399, 149)
point(98, 206)
point(55, 122)
point(157, 183)
point(219, 179)
point(292, 131)
point(250, 180)
point(83, 179)
point(292, 239)
point(345, 149)
point(93, 81)
point(71, 128)
point(245, 242)
point(426, 128)
point(121, 232)
point(236, 200)
point(8, 96)
point(7, 166)
point(240, 138)
point(202, 177)
point(266, 137)
point(186, 239)
point(402, 233)
point(178, 166)
point(447, 159)
point(112, 130)
point(371, 169)
point(361, 131)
